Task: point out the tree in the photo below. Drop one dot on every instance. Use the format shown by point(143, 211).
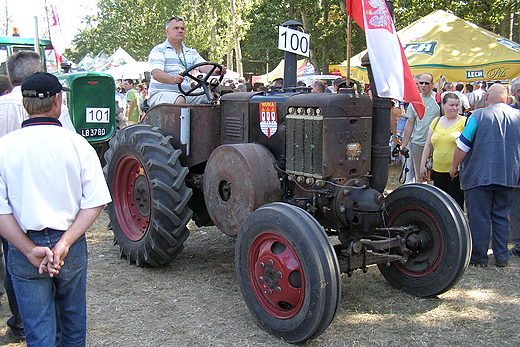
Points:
point(222, 22)
point(325, 21)
point(488, 14)
point(134, 25)
point(138, 25)
point(244, 32)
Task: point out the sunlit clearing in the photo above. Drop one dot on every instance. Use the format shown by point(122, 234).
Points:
point(477, 294)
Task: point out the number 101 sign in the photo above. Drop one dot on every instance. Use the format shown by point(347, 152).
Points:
point(293, 41)
point(97, 115)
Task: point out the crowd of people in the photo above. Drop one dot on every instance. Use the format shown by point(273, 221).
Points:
point(131, 102)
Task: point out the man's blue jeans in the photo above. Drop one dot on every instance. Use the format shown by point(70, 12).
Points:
point(15, 322)
point(45, 302)
point(514, 221)
point(487, 214)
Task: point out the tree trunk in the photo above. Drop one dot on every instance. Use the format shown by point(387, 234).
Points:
point(326, 47)
point(505, 26)
point(517, 20)
point(236, 39)
point(229, 60)
point(213, 37)
point(312, 52)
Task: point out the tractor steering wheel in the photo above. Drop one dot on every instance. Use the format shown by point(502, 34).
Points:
point(208, 82)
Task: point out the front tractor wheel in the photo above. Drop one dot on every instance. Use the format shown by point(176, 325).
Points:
point(149, 210)
point(288, 272)
point(440, 246)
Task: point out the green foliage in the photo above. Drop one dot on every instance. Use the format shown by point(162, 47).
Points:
point(487, 14)
point(261, 41)
point(134, 25)
point(138, 25)
point(325, 21)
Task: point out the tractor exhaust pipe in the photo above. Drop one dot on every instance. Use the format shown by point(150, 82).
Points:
point(381, 110)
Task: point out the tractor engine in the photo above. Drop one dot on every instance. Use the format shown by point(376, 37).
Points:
point(322, 144)
point(328, 160)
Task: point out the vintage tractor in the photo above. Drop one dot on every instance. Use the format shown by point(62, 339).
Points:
point(287, 172)
point(90, 103)
point(91, 106)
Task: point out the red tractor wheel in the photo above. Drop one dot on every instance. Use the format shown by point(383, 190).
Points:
point(132, 193)
point(149, 212)
point(288, 272)
point(277, 275)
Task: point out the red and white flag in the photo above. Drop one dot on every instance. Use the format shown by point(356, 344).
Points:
point(390, 68)
point(56, 36)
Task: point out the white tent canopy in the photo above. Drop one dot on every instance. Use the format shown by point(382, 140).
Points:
point(118, 58)
point(134, 71)
point(231, 75)
point(137, 70)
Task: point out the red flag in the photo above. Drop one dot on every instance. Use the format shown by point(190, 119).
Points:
point(56, 36)
point(390, 68)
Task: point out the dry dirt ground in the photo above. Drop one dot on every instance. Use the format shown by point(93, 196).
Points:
point(195, 301)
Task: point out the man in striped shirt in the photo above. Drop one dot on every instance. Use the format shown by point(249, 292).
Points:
point(167, 60)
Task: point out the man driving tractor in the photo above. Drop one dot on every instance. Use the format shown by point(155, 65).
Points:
point(167, 60)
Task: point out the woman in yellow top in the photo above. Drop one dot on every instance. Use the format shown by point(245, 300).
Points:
point(441, 145)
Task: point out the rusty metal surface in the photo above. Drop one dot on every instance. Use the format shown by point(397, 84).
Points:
point(343, 128)
point(205, 129)
point(235, 114)
point(382, 109)
point(346, 147)
point(238, 179)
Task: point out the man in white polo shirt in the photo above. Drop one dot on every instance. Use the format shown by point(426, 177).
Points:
point(52, 189)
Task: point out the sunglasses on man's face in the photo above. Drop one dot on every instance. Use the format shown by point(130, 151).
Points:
point(424, 83)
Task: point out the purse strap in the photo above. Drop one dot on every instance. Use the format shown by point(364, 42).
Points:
point(436, 122)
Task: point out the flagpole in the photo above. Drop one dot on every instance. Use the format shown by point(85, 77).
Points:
point(47, 18)
point(6, 20)
point(349, 40)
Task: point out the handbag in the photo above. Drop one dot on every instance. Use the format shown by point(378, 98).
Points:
point(144, 105)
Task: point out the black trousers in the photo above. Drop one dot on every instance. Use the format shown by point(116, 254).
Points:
point(450, 185)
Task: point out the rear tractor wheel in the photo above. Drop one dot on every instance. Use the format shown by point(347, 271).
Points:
point(149, 210)
point(442, 240)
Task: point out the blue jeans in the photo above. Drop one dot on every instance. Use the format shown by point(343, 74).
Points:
point(15, 322)
point(45, 302)
point(487, 214)
point(514, 220)
point(401, 123)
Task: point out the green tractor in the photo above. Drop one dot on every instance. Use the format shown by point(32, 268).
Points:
point(91, 103)
point(91, 106)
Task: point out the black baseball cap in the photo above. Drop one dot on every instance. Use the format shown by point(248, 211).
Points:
point(41, 85)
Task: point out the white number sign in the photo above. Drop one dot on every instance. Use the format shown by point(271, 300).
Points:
point(97, 115)
point(294, 41)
